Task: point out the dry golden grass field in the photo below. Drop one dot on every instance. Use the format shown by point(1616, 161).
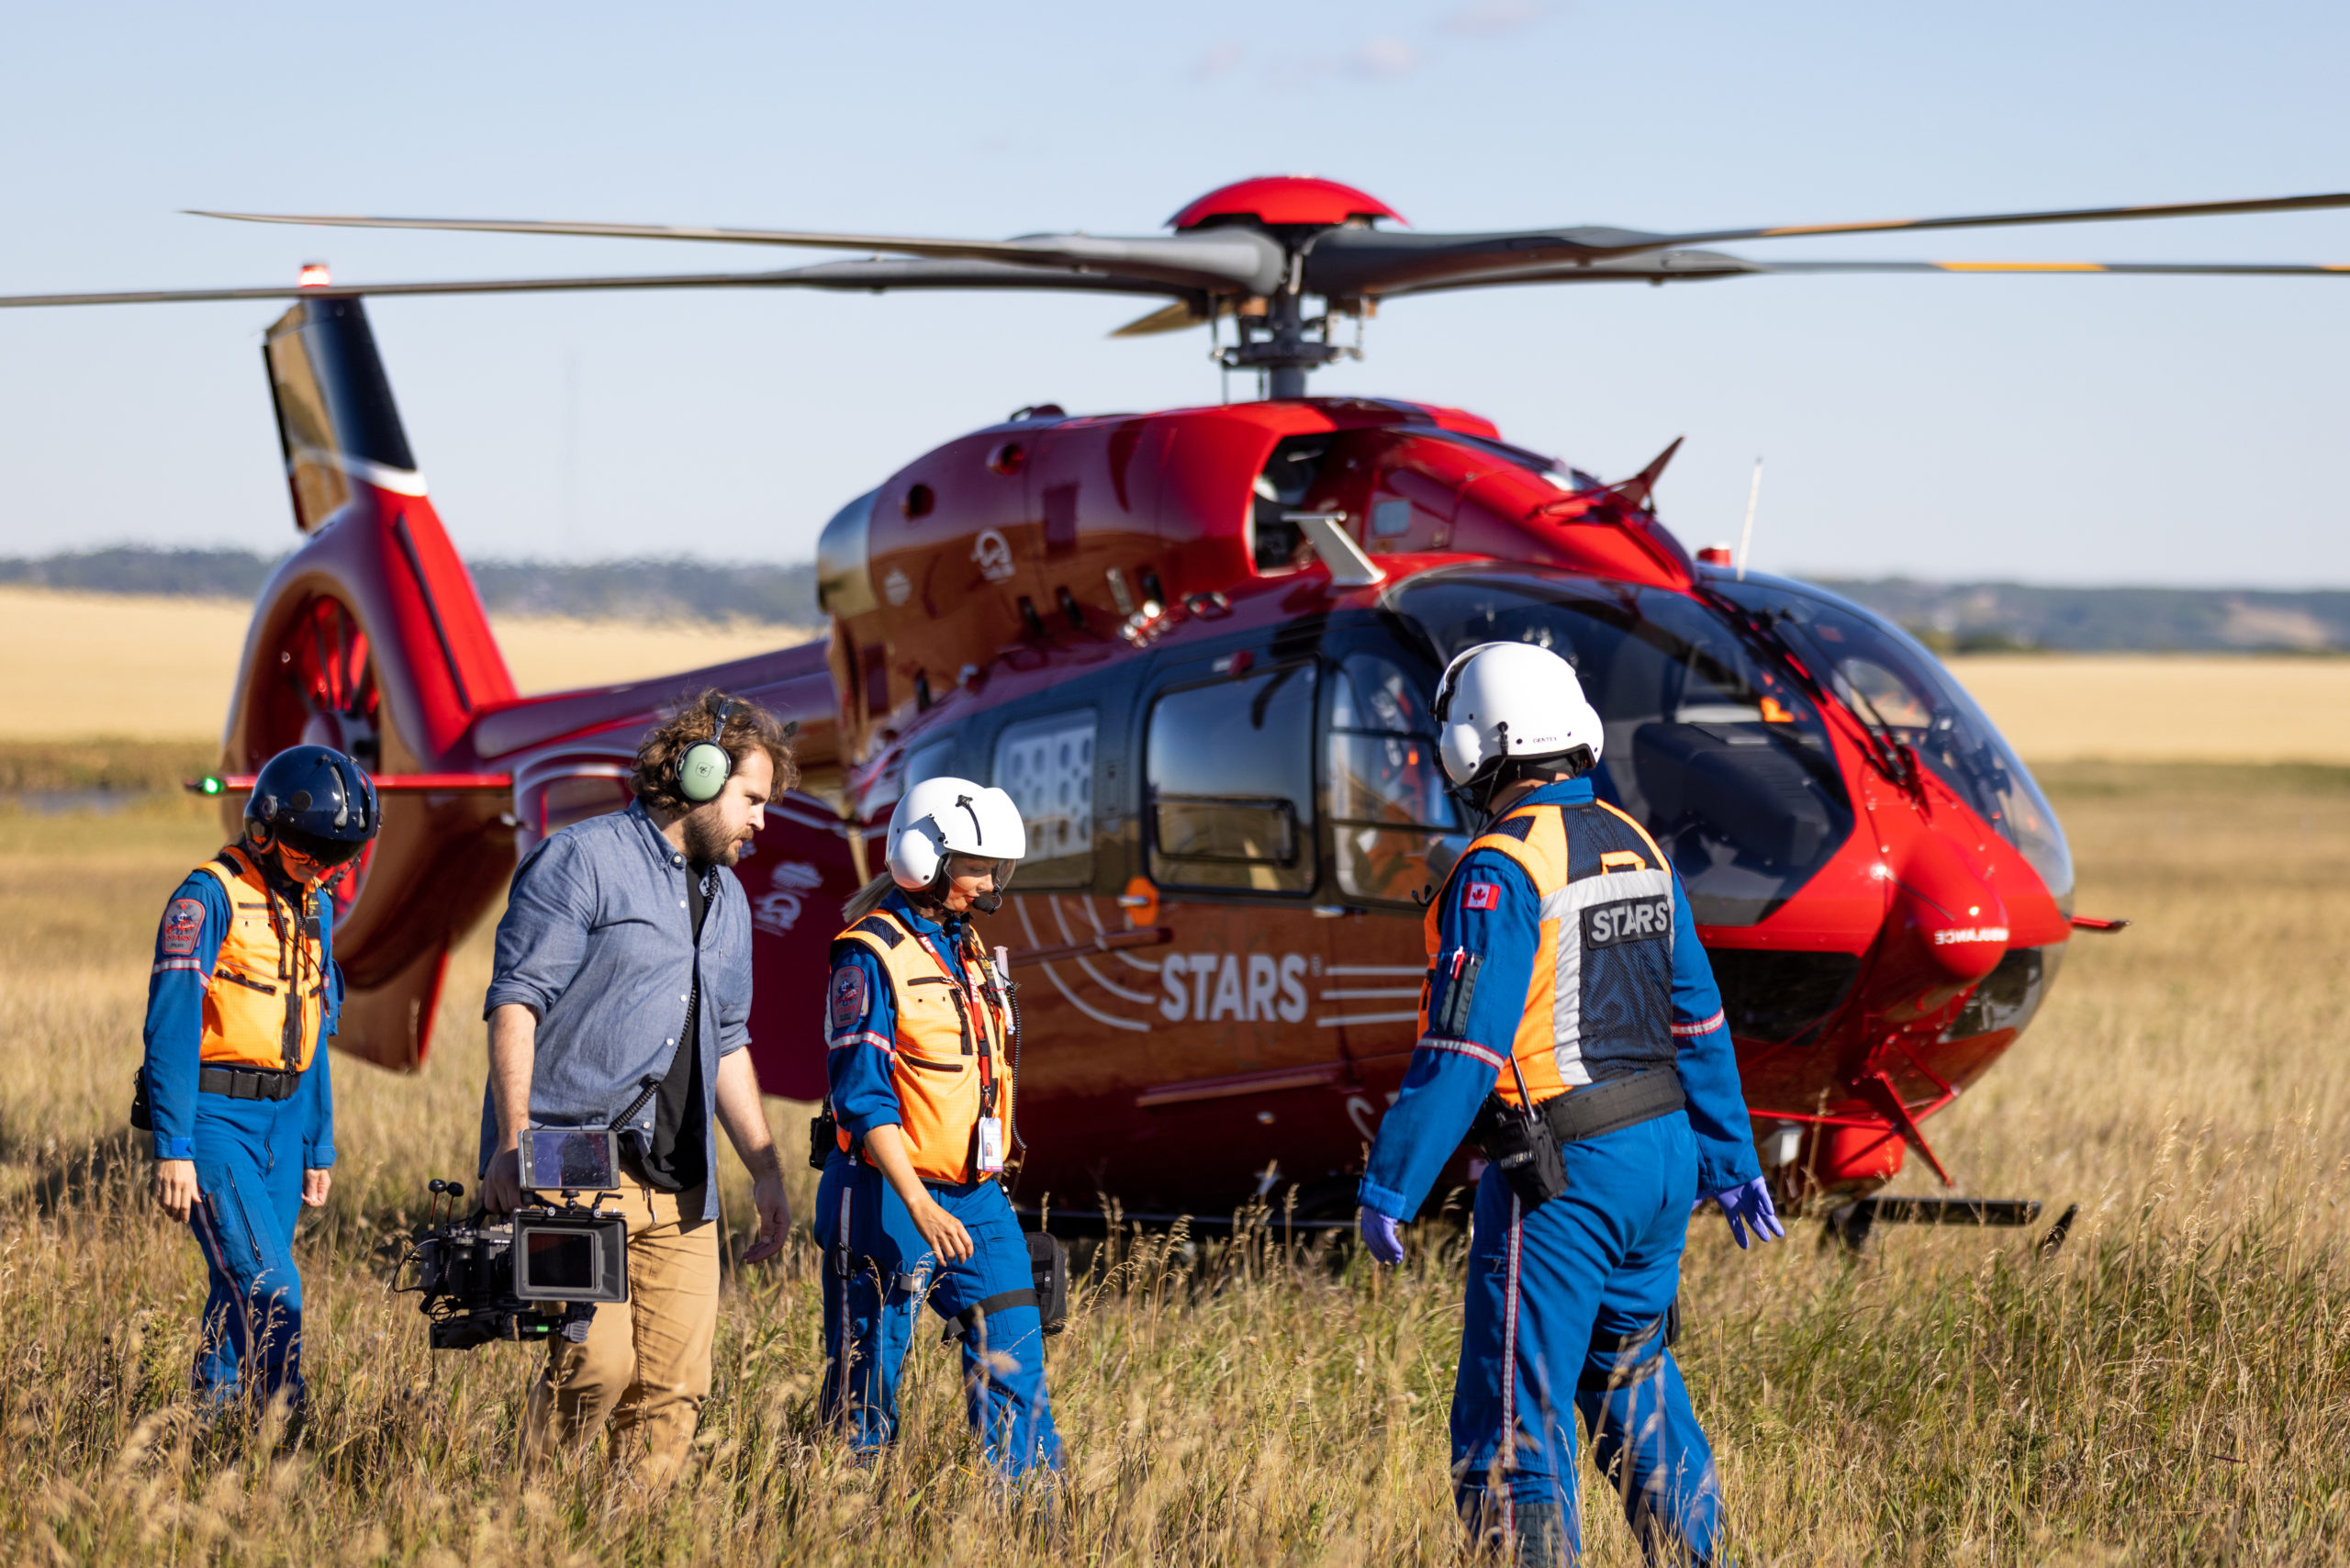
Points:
point(166, 665)
point(2172, 1388)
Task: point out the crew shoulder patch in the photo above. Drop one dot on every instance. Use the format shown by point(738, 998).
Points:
point(848, 997)
point(1481, 895)
point(885, 930)
point(183, 923)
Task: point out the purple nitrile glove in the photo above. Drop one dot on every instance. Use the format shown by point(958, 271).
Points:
point(1381, 1235)
point(1748, 1208)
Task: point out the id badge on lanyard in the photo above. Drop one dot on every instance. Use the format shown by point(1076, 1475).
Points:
point(991, 1145)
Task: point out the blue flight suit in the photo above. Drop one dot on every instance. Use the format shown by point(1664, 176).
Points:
point(1569, 1305)
point(249, 1155)
point(879, 1270)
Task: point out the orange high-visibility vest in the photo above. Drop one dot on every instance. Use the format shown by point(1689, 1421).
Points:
point(947, 1066)
point(266, 1000)
point(1599, 1003)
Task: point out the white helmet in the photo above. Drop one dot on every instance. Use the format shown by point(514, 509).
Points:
point(939, 817)
point(1503, 700)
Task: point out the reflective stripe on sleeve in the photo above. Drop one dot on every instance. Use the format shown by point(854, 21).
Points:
point(1470, 1048)
point(863, 1037)
point(1687, 1031)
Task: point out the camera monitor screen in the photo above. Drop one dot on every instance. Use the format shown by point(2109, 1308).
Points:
point(570, 1260)
point(579, 1159)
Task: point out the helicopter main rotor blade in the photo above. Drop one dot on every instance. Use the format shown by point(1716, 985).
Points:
point(2163, 269)
point(1696, 266)
point(1653, 267)
point(1226, 259)
point(869, 276)
point(1369, 261)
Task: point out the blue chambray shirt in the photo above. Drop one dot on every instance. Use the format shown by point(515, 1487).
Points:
point(598, 941)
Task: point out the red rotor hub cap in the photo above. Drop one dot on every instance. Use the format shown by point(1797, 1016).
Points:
point(1283, 199)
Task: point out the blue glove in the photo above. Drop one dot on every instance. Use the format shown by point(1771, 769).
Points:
point(1381, 1235)
point(1749, 1208)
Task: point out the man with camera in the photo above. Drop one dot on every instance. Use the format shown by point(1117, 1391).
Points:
point(234, 1089)
point(620, 996)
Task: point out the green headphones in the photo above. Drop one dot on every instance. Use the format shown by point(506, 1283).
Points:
point(704, 767)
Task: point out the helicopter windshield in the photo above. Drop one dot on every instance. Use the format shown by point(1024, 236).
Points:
point(1890, 680)
point(1721, 757)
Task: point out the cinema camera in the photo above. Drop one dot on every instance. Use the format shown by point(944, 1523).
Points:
point(537, 1271)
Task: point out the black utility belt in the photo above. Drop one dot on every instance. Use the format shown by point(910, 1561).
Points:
point(1614, 1104)
point(1524, 1146)
point(248, 1082)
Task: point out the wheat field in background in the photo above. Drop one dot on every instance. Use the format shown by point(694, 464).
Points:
point(2172, 1388)
point(164, 666)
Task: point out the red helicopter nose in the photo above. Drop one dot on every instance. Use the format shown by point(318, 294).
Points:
point(1959, 926)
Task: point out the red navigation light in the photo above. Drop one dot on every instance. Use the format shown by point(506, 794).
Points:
point(314, 275)
point(1714, 555)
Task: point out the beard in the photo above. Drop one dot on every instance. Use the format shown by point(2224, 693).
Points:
point(707, 841)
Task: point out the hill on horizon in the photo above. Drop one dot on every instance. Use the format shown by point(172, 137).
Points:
point(1949, 617)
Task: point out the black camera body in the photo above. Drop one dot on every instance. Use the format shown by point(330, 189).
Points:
point(536, 1272)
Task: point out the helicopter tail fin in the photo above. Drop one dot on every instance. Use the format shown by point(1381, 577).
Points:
point(371, 638)
point(336, 420)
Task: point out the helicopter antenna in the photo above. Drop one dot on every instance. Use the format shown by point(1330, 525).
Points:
point(1746, 531)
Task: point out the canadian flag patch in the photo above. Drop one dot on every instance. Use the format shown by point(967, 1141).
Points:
point(1481, 895)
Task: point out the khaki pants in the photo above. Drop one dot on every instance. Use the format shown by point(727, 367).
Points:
point(644, 1366)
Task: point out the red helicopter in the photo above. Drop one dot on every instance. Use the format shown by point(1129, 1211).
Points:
point(1198, 647)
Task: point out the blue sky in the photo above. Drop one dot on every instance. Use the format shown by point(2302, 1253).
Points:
point(2047, 429)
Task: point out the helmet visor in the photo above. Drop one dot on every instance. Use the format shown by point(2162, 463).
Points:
point(320, 851)
point(999, 871)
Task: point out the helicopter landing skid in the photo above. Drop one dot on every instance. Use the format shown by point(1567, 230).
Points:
point(1851, 1223)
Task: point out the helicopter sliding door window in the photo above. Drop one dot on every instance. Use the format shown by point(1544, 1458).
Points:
point(1388, 804)
point(1230, 773)
point(1045, 765)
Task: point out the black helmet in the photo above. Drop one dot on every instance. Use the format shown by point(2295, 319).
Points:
point(318, 800)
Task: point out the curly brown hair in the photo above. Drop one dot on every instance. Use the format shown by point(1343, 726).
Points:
point(748, 728)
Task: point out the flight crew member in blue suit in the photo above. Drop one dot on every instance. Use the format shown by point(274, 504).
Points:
point(235, 1088)
point(912, 1204)
point(1571, 1027)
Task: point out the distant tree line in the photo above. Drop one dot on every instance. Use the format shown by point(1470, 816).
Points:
point(1968, 618)
point(1950, 616)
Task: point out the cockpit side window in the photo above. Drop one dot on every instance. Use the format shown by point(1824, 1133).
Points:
point(1230, 773)
point(1890, 680)
point(1719, 755)
point(1388, 804)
